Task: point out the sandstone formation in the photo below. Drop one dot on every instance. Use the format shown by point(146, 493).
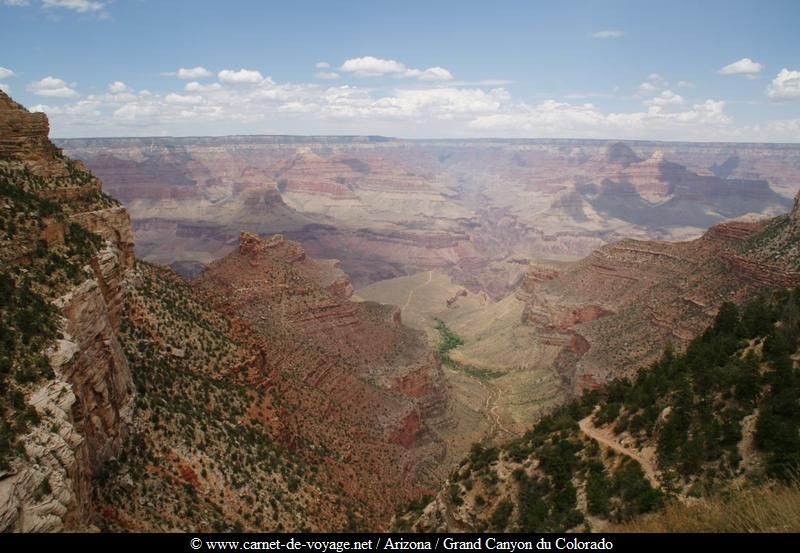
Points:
point(357, 355)
point(625, 301)
point(85, 409)
point(573, 326)
point(388, 208)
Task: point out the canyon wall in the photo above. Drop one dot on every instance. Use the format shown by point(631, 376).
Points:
point(85, 409)
point(387, 207)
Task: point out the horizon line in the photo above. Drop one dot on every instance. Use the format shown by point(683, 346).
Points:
point(384, 138)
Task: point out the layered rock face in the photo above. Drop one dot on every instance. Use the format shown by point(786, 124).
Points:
point(624, 302)
point(24, 136)
point(325, 382)
point(389, 207)
point(84, 410)
point(367, 387)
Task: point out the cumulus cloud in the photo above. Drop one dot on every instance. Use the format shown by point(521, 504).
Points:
point(118, 87)
point(193, 73)
point(435, 74)
point(52, 87)
point(195, 86)
point(133, 112)
point(744, 66)
point(608, 34)
point(666, 98)
point(438, 103)
point(5, 73)
point(188, 100)
point(370, 66)
point(323, 65)
point(685, 84)
point(326, 75)
point(450, 110)
point(552, 118)
point(785, 86)
point(653, 83)
point(81, 6)
point(240, 76)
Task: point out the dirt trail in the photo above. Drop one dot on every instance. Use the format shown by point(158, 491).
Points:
point(491, 406)
point(607, 438)
point(747, 447)
point(411, 293)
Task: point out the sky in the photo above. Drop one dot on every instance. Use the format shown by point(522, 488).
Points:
point(696, 71)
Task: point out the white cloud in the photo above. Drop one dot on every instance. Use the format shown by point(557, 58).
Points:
point(652, 84)
point(183, 99)
point(5, 88)
point(608, 34)
point(785, 86)
point(52, 87)
point(5, 73)
point(118, 87)
point(744, 66)
point(552, 119)
point(369, 66)
point(685, 84)
point(17, 3)
point(326, 75)
point(241, 76)
point(323, 65)
point(666, 98)
point(193, 73)
point(437, 103)
point(435, 74)
point(81, 6)
point(412, 111)
point(482, 82)
point(133, 112)
point(194, 86)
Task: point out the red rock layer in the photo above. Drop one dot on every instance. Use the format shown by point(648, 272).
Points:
point(622, 304)
point(351, 377)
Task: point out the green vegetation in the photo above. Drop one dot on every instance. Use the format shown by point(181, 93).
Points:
point(771, 507)
point(691, 407)
point(196, 429)
point(449, 341)
point(32, 275)
point(501, 515)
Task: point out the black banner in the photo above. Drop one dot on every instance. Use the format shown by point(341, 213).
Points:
point(340, 543)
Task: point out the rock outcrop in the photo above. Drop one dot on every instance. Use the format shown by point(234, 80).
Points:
point(84, 410)
point(624, 302)
point(367, 387)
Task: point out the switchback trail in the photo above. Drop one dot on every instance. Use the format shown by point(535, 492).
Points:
point(492, 405)
point(606, 438)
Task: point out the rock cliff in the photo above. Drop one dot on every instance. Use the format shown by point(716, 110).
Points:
point(621, 304)
point(82, 408)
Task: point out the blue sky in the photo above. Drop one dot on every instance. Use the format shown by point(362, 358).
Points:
point(599, 69)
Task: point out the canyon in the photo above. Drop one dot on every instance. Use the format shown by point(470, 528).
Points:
point(253, 337)
point(387, 207)
point(138, 388)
